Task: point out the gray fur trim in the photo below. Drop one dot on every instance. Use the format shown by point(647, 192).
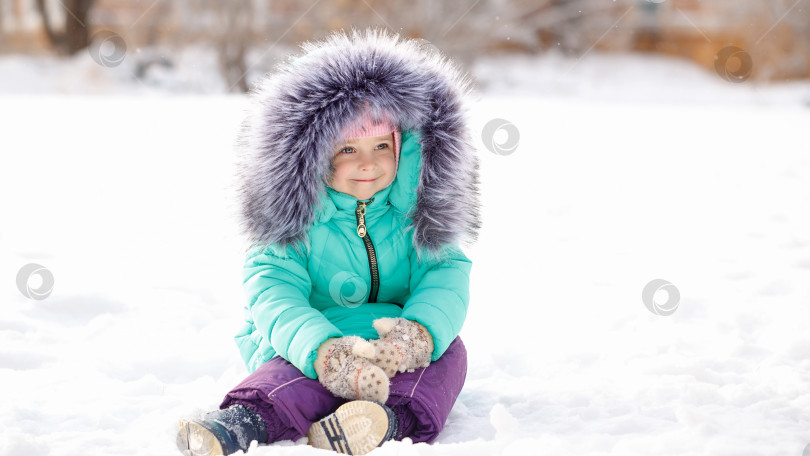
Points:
point(297, 112)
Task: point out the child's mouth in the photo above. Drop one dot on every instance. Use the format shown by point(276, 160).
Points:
point(364, 180)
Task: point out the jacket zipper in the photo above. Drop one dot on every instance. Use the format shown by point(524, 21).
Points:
point(362, 231)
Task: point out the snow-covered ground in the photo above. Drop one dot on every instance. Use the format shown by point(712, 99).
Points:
point(627, 170)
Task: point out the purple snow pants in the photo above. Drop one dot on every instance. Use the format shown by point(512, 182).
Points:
point(290, 402)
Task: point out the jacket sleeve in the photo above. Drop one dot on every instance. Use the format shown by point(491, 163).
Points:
point(440, 295)
point(278, 287)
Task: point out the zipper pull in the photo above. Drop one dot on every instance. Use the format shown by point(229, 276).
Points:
point(361, 218)
point(360, 212)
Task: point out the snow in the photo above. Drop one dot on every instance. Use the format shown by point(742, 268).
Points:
point(628, 169)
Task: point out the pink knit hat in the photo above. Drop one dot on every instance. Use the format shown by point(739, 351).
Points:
point(364, 126)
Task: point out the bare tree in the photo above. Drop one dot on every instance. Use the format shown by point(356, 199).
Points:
point(273, 30)
point(76, 35)
point(232, 40)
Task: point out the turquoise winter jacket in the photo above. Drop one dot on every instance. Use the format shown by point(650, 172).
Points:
point(299, 297)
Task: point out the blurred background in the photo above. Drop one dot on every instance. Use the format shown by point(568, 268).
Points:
point(208, 46)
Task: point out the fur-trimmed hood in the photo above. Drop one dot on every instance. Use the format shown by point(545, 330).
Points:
point(296, 115)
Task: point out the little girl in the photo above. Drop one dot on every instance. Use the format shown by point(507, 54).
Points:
point(358, 183)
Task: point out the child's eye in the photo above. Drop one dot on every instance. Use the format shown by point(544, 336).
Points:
point(346, 150)
point(382, 146)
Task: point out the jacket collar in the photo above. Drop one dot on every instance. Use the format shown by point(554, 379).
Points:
point(335, 202)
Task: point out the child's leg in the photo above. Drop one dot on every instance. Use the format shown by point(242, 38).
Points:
point(287, 401)
point(422, 399)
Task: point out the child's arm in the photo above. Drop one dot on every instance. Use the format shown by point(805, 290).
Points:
point(440, 294)
point(278, 288)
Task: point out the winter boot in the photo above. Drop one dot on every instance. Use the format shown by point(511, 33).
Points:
point(356, 427)
point(221, 432)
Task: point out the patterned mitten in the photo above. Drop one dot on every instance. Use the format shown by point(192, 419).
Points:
point(403, 345)
point(344, 367)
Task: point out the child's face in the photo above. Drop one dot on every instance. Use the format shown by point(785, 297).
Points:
point(364, 166)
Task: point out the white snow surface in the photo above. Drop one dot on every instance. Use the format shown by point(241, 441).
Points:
point(645, 169)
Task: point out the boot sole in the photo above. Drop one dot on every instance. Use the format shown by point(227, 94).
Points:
point(356, 427)
point(195, 440)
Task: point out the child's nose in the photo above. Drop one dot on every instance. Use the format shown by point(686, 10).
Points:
point(367, 160)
